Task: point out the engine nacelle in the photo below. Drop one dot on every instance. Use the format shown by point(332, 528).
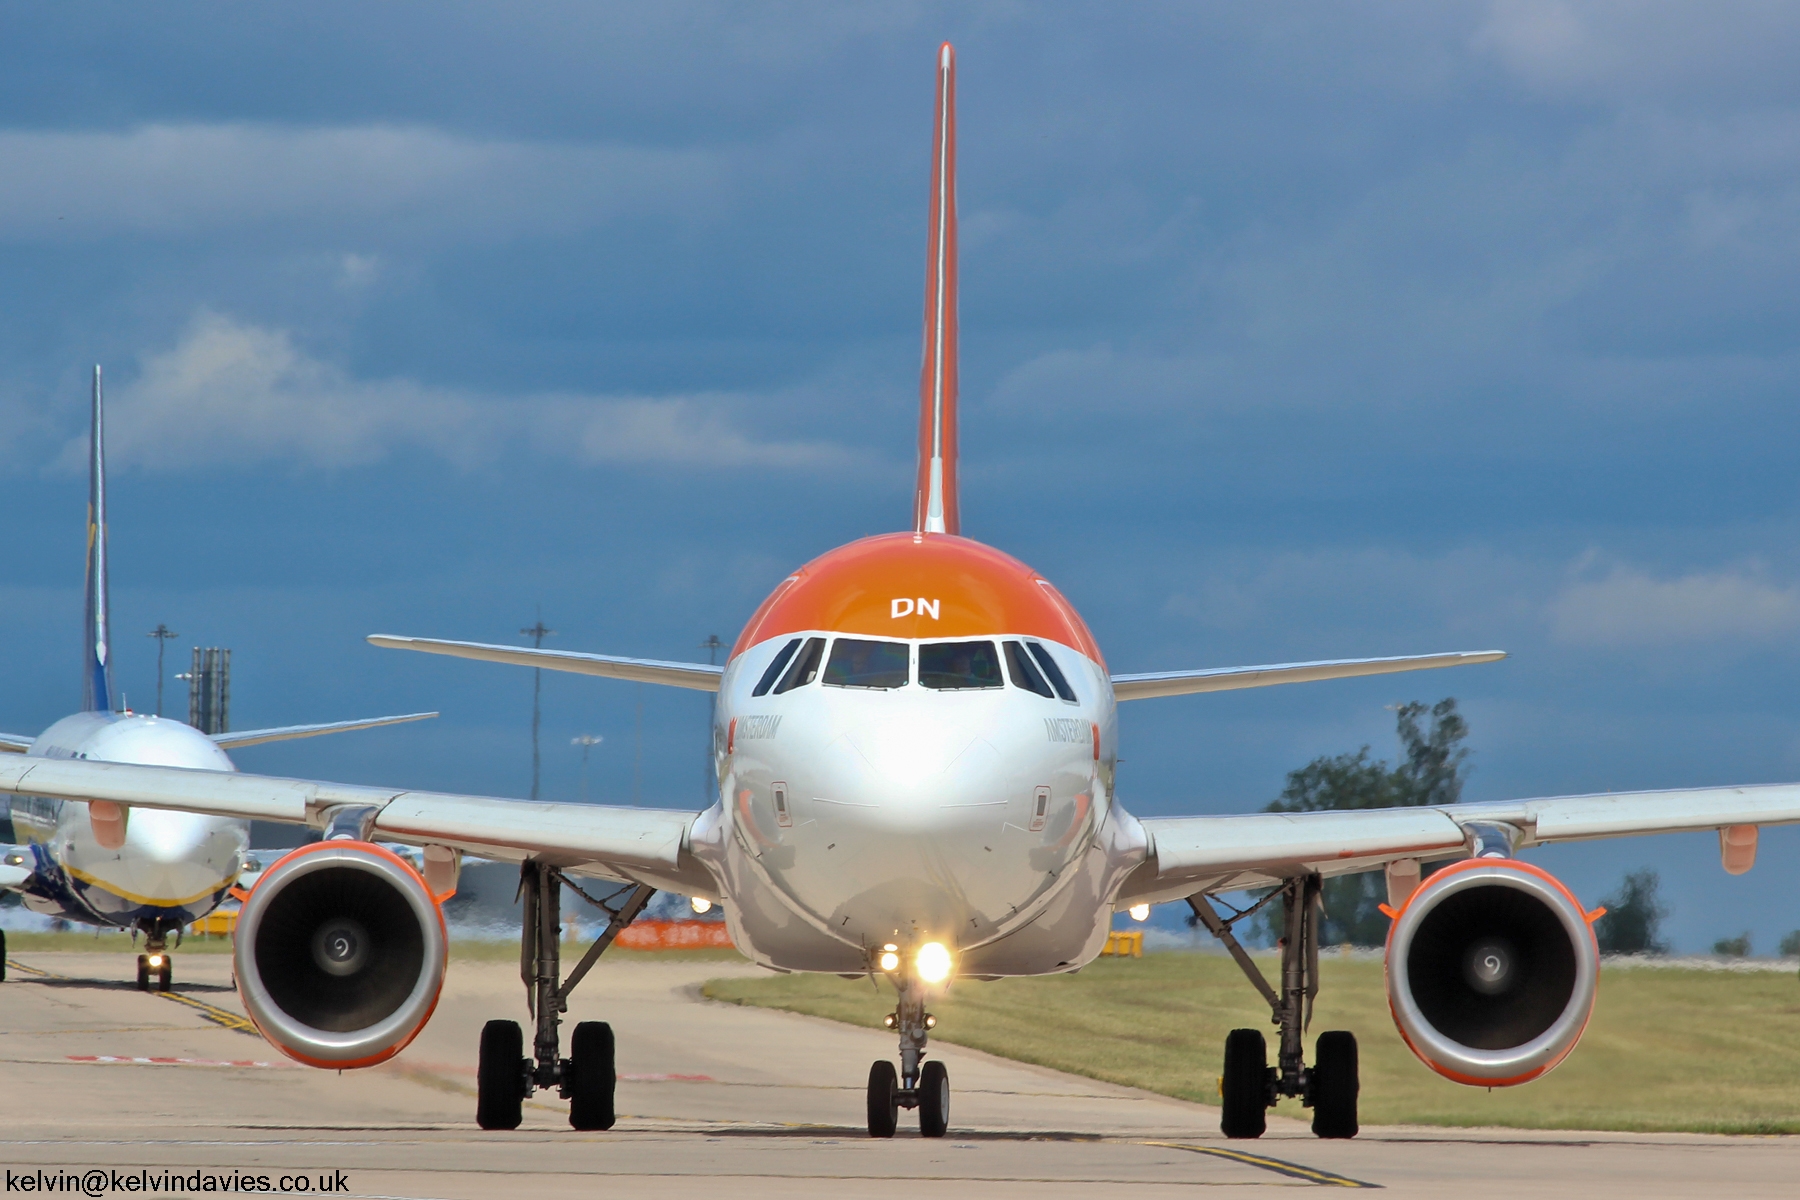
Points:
point(340, 954)
point(1492, 968)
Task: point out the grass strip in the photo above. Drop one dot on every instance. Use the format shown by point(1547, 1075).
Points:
point(1668, 1049)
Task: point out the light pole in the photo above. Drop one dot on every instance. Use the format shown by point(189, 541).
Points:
point(586, 741)
point(537, 633)
point(162, 633)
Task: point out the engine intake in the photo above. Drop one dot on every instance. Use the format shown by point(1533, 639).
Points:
point(340, 954)
point(1492, 969)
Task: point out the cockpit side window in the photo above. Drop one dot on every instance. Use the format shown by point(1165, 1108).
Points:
point(860, 663)
point(953, 666)
point(774, 672)
point(805, 668)
point(1054, 672)
point(1024, 674)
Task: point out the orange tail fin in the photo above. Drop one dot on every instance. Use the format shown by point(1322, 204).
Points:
point(935, 506)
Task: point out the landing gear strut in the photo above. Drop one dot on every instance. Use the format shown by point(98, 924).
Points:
point(505, 1076)
point(1250, 1087)
point(918, 1084)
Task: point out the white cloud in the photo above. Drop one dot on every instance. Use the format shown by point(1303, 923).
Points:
point(1630, 608)
point(205, 179)
point(236, 394)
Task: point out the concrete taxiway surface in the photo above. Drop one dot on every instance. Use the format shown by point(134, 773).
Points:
point(714, 1100)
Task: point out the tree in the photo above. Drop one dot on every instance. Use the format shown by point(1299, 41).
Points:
point(1431, 770)
point(1790, 944)
point(1737, 947)
point(1633, 917)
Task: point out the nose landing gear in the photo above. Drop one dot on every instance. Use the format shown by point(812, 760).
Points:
point(155, 967)
point(918, 1084)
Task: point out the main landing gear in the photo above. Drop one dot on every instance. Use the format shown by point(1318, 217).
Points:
point(925, 1087)
point(505, 1076)
point(1249, 1086)
point(156, 967)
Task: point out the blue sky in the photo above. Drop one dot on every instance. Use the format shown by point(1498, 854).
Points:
point(1287, 333)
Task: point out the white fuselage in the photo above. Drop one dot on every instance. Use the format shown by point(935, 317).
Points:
point(982, 819)
point(172, 867)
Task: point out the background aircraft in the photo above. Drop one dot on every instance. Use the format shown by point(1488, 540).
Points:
point(150, 872)
point(915, 741)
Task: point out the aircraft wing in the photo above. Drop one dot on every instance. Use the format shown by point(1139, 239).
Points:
point(282, 733)
point(12, 743)
point(1225, 679)
point(633, 845)
point(1193, 854)
point(699, 676)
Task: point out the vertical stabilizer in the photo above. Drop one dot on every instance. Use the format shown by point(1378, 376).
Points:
point(935, 505)
point(96, 674)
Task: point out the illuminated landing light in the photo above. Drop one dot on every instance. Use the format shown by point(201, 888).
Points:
point(1139, 912)
point(890, 958)
point(701, 904)
point(932, 962)
point(156, 960)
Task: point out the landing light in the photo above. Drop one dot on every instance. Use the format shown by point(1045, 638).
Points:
point(156, 960)
point(1139, 912)
point(701, 904)
point(933, 963)
point(889, 960)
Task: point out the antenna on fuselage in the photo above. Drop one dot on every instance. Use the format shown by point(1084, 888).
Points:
point(935, 508)
point(96, 672)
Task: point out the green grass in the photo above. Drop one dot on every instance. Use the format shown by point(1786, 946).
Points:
point(1668, 1049)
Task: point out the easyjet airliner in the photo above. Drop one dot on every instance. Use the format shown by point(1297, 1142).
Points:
point(915, 740)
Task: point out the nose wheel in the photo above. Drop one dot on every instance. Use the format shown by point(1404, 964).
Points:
point(157, 975)
point(917, 1084)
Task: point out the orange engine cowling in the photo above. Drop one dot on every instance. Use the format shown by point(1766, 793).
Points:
point(1491, 972)
point(340, 954)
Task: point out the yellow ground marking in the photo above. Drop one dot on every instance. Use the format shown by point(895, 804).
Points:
point(212, 1012)
point(1278, 1166)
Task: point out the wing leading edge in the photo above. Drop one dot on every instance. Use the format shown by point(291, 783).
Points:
point(1193, 854)
point(283, 733)
point(699, 676)
point(1225, 679)
point(635, 845)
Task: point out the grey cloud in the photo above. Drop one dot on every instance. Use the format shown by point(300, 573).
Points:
point(234, 394)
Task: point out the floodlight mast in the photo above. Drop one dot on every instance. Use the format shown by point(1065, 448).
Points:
point(537, 633)
point(162, 633)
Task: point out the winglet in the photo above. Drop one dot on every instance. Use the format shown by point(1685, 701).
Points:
point(96, 674)
point(935, 508)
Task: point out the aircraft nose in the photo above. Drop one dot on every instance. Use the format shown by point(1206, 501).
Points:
point(168, 838)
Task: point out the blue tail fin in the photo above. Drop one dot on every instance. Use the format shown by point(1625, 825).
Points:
point(96, 674)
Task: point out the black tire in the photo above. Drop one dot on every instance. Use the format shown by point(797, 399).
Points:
point(591, 1089)
point(884, 1099)
point(165, 976)
point(934, 1100)
point(1335, 1086)
point(499, 1090)
point(3, 952)
point(1244, 1089)
point(143, 972)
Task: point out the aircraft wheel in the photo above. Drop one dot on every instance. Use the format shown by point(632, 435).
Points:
point(165, 975)
point(884, 1099)
point(1244, 1089)
point(2, 956)
point(934, 1100)
point(499, 1081)
point(1335, 1085)
point(143, 972)
point(591, 1089)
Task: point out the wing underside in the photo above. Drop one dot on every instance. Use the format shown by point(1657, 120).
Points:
point(1195, 854)
point(699, 676)
point(1225, 679)
point(283, 733)
point(633, 845)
